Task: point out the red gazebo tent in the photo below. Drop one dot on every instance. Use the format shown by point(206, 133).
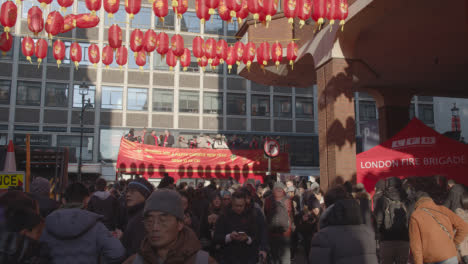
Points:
point(416, 151)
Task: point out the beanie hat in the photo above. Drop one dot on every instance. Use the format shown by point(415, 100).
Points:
point(142, 186)
point(166, 201)
point(279, 185)
point(166, 182)
point(40, 185)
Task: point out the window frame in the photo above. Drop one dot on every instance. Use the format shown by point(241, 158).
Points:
point(211, 109)
point(138, 92)
point(112, 90)
point(164, 92)
point(189, 94)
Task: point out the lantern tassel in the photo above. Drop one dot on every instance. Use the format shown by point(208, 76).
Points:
point(301, 23)
point(239, 21)
point(233, 13)
point(141, 68)
point(185, 69)
point(332, 22)
point(28, 58)
point(268, 19)
point(171, 68)
point(107, 66)
point(161, 19)
point(43, 5)
point(211, 11)
point(95, 65)
point(203, 69)
point(39, 62)
point(342, 22)
point(210, 61)
point(3, 53)
point(110, 15)
point(7, 30)
point(229, 68)
point(63, 9)
point(221, 61)
point(131, 16)
point(292, 64)
point(248, 65)
point(93, 13)
point(18, 2)
point(76, 65)
point(175, 3)
point(238, 63)
point(58, 63)
point(320, 22)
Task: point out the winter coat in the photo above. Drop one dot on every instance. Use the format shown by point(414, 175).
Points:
point(79, 236)
point(237, 251)
point(19, 249)
point(365, 204)
point(184, 250)
point(135, 231)
point(46, 205)
point(271, 212)
point(344, 240)
point(424, 228)
point(103, 203)
point(463, 249)
point(149, 139)
point(454, 199)
point(170, 141)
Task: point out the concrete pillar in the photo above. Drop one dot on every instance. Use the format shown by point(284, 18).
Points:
point(337, 129)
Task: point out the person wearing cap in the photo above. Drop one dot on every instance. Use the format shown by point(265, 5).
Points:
point(167, 239)
point(137, 192)
point(219, 143)
point(279, 213)
point(40, 190)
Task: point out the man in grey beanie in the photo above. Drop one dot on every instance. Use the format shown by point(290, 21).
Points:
point(167, 239)
point(40, 190)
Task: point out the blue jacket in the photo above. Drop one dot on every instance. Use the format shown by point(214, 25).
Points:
point(79, 236)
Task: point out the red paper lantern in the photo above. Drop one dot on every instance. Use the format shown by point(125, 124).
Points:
point(231, 57)
point(234, 6)
point(198, 47)
point(292, 53)
point(249, 54)
point(41, 50)
point(185, 59)
point(44, 3)
point(150, 40)
point(162, 43)
point(86, 20)
point(202, 11)
point(255, 7)
point(224, 12)
point(64, 4)
point(27, 47)
point(76, 53)
point(54, 23)
point(8, 13)
point(343, 12)
point(212, 5)
point(263, 54)
point(93, 54)
point(140, 58)
point(136, 41)
point(243, 12)
point(58, 50)
point(215, 63)
point(319, 11)
point(115, 36)
point(132, 7)
point(107, 56)
point(35, 20)
point(180, 7)
point(269, 8)
point(121, 56)
point(221, 50)
point(171, 59)
point(203, 62)
point(69, 23)
point(304, 9)
point(210, 49)
point(262, 18)
point(93, 6)
point(6, 42)
point(289, 9)
point(177, 45)
point(111, 7)
point(239, 48)
point(277, 53)
point(160, 9)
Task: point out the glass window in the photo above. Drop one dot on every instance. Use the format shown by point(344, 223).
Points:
point(188, 101)
point(235, 104)
point(29, 93)
point(168, 22)
point(109, 143)
point(50, 54)
point(260, 105)
point(214, 26)
point(137, 99)
point(112, 97)
point(120, 18)
point(428, 99)
point(426, 113)
point(232, 29)
point(56, 94)
point(5, 91)
point(282, 106)
point(132, 64)
point(77, 96)
point(367, 111)
point(304, 107)
point(412, 111)
point(163, 100)
point(190, 23)
point(73, 142)
point(159, 62)
point(142, 19)
point(212, 103)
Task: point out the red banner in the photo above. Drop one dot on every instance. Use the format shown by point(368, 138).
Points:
point(154, 161)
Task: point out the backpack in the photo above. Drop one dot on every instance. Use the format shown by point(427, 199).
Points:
point(202, 258)
point(277, 213)
point(395, 216)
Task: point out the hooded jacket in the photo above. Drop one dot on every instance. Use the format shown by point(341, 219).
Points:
point(343, 239)
point(79, 236)
point(184, 251)
point(428, 241)
point(103, 203)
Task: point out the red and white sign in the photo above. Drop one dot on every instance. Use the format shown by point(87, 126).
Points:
point(272, 148)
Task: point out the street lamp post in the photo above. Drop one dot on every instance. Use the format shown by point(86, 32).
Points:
point(84, 89)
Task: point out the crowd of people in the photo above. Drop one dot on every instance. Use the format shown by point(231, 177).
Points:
point(201, 141)
point(409, 220)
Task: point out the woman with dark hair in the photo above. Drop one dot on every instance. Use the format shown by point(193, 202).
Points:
point(463, 213)
point(190, 219)
point(208, 223)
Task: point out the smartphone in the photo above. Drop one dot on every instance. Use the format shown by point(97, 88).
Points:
point(241, 233)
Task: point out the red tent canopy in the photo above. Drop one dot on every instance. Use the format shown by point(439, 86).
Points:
point(417, 150)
